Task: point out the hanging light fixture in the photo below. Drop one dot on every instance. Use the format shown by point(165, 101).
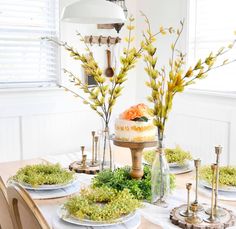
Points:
point(94, 12)
point(121, 3)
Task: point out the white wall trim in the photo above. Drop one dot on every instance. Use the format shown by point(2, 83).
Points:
point(222, 94)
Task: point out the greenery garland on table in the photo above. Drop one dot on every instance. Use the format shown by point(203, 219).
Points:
point(43, 174)
point(227, 175)
point(120, 179)
point(102, 204)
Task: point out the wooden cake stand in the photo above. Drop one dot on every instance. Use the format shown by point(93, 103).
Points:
point(136, 149)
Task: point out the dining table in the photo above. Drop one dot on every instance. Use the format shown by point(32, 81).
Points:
point(151, 216)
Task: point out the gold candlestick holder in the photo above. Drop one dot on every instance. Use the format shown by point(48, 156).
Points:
point(84, 164)
point(202, 220)
point(197, 164)
point(212, 218)
point(92, 163)
point(186, 213)
point(194, 218)
point(82, 153)
point(96, 149)
point(218, 211)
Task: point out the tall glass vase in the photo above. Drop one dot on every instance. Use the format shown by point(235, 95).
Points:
point(106, 152)
point(160, 177)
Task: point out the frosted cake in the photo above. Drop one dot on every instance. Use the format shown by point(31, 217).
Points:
point(135, 125)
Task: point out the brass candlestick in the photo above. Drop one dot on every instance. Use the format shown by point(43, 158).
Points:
point(84, 158)
point(96, 149)
point(186, 213)
point(82, 153)
point(217, 210)
point(194, 218)
point(197, 164)
point(92, 164)
point(213, 218)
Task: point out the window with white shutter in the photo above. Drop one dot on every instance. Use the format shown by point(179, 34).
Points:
point(211, 25)
point(25, 59)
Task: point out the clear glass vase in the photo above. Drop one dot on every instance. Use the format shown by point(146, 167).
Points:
point(106, 153)
point(160, 177)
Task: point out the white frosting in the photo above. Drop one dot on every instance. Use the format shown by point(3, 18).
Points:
point(134, 131)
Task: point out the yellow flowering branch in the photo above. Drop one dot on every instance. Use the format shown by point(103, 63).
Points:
point(103, 97)
point(165, 85)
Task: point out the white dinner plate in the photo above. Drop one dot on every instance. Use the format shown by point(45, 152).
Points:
point(222, 189)
point(227, 196)
point(56, 193)
point(48, 187)
point(175, 164)
point(63, 214)
point(177, 169)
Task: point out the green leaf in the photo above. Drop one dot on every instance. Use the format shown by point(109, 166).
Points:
point(140, 119)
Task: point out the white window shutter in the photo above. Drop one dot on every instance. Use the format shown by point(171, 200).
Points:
point(26, 59)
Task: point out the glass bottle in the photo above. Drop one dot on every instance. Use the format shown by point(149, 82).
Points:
point(106, 152)
point(160, 177)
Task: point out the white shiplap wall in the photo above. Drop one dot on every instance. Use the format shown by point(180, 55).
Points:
point(39, 123)
point(10, 144)
point(201, 121)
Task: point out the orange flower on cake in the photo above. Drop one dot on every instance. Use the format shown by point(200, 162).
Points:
point(133, 112)
point(143, 108)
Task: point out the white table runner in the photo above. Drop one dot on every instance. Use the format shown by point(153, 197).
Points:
point(66, 159)
point(49, 212)
point(156, 215)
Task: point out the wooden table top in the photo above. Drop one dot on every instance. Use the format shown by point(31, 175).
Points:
point(9, 168)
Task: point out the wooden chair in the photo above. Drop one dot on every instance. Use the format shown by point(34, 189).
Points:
point(26, 213)
point(6, 218)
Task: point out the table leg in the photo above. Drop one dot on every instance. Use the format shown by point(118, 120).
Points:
point(136, 170)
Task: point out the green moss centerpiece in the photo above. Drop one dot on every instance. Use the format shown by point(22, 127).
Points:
point(102, 204)
point(43, 174)
point(227, 176)
point(173, 155)
point(121, 179)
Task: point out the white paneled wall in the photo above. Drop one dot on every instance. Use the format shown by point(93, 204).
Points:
point(200, 122)
point(48, 122)
point(10, 139)
point(199, 135)
point(57, 133)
